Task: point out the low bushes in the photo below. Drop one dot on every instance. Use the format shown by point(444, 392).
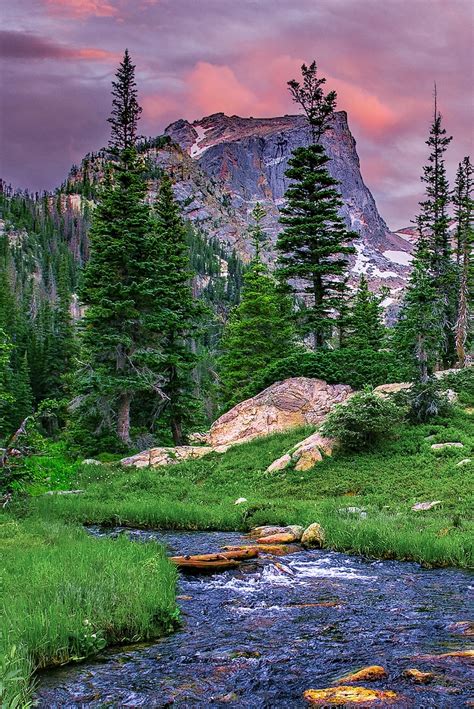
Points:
point(358, 368)
point(362, 421)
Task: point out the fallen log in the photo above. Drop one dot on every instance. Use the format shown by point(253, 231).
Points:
point(232, 554)
point(191, 566)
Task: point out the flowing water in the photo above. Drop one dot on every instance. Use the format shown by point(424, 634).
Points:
point(259, 635)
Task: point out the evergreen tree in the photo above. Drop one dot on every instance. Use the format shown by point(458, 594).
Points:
point(434, 220)
point(259, 329)
point(172, 312)
point(464, 245)
point(418, 334)
point(366, 329)
point(126, 110)
point(112, 287)
point(6, 397)
point(315, 242)
point(257, 234)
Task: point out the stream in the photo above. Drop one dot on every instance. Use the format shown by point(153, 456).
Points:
point(260, 635)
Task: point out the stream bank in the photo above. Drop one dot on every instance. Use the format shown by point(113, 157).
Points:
point(260, 635)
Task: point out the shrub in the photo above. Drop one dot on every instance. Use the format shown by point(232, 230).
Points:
point(363, 421)
point(358, 368)
point(462, 382)
point(426, 401)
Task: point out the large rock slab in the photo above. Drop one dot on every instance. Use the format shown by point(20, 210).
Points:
point(299, 401)
point(156, 457)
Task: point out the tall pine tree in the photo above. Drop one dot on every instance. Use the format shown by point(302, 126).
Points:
point(113, 279)
point(314, 244)
point(463, 204)
point(418, 335)
point(172, 312)
point(434, 221)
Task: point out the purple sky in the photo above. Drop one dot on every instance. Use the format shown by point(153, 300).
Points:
point(196, 57)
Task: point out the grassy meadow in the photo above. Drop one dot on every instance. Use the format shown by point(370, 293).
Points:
point(385, 482)
point(67, 595)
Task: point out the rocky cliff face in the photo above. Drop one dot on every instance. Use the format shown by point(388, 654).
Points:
point(246, 158)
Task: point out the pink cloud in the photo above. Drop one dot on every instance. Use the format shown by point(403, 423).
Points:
point(82, 8)
point(97, 54)
point(158, 106)
point(212, 88)
point(365, 108)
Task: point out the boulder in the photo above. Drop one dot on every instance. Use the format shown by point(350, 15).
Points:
point(418, 676)
point(313, 536)
point(156, 457)
point(283, 538)
point(464, 461)
point(305, 454)
point(366, 674)
point(280, 463)
point(385, 390)
point(422, 506)
point(266, 531)
point(91, 461)
point(348, 696)
point(297, 530)
point(299, 401)
point(240, 501)
point(440, 446)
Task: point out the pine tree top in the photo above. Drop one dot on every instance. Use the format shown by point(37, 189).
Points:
point(126, 110)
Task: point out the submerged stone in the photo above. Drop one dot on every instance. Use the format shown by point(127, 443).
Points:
point(348, 696)
point(366, 674)
point(418, 676)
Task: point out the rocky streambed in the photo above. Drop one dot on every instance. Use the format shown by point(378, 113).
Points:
point(264, 633)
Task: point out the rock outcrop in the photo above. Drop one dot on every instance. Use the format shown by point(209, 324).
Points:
point(288, 404)
point(156, 457)
point(247, 159)
point(305, 454)
point(366, 674)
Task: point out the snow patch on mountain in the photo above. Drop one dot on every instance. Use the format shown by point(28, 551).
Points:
point(196, 150)
point(401, 257)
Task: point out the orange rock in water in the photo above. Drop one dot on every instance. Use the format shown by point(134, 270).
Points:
point(418, 676)
point(347, 696)
point(283, 538)
point(460, 654)
point(280, 549)
point(366, 674)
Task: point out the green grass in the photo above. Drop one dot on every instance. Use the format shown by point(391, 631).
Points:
point(386, 482)
point(67, 595)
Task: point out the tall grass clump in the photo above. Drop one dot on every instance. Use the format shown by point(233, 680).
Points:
point(66, 595)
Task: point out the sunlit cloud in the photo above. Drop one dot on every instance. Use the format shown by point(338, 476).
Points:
point(82, 8)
